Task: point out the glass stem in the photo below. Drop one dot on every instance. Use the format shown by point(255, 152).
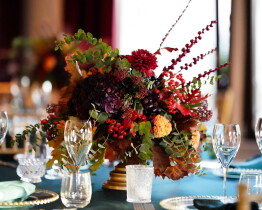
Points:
point(225, 181)
point(75, 183)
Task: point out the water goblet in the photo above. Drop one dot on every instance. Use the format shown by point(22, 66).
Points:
point(3, 125)
point(78, 140)
point(258, 133)
point(226, 140)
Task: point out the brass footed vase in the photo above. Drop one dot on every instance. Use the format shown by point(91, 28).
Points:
point(117, 179)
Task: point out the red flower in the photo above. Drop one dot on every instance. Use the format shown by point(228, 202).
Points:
point(143, 61)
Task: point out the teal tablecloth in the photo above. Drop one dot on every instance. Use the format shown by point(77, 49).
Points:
point(113, 200)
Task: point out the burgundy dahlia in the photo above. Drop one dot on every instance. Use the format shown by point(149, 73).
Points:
point(143, 61)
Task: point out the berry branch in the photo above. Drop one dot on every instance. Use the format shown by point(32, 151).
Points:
point(174, 25)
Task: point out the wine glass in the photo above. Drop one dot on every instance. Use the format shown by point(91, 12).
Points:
point(78, 140)
point(258, 133)
point(226, 141)
point(3, 125)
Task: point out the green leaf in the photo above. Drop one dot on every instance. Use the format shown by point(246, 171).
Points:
point(168, 116)
point(218, 77)
point(212, 80)
point(89, 36)
point(101, 146)
point(145, 153)
point(102, 117)
point(199, 83)
point(150, 84)
point(176, 154)
point(96, 163)
point(194, 81)
point(169, 150)
point(138, 106)
point(93, 113)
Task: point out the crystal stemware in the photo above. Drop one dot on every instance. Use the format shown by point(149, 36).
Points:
point(258, 133)
point(226, 142)
point(3, 125)
point(78, 140)
point(31, 169)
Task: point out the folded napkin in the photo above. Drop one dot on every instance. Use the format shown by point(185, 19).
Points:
point(11, 191)
point(210, 204)
point(253, 163)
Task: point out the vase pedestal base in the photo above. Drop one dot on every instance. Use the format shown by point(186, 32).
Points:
point(117, 179)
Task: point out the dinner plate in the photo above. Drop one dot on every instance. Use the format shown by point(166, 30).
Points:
point(39, 197)
point(234, 173)
point(186, 202)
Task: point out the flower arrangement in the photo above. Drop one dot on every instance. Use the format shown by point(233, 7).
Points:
point(137, 116)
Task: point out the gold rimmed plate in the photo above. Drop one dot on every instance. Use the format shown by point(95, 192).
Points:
point(234, 173)
point(39, 197)
point(186, 202)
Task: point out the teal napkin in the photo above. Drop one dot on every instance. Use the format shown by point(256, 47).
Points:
point(11, 191)
point(253, 163)
point(209, 204)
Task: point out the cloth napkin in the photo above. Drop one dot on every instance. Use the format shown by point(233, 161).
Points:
point(253, 163)
point(11, 191)
point(209, 204)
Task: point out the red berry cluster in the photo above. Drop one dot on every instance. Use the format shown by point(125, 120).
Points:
point(49, 126)
point(176, 86)
point(167, 73)
point(116, 129)
point(171, 105)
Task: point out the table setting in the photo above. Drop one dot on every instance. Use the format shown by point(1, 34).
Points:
point(150, 128)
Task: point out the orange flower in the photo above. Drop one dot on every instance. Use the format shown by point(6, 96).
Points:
point(162, 126)
point(195, 139)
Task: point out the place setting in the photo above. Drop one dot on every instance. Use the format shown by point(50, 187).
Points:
point(18, 193)
point(226, 140)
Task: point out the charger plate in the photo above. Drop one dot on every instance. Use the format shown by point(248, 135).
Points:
point(234, 173)
point(39, 197)
point(186, 202)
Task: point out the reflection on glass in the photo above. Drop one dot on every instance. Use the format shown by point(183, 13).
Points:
point(78, 140)
point(3, 125)
point(258, 133)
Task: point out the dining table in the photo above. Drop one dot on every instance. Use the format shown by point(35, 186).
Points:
point(209, 184)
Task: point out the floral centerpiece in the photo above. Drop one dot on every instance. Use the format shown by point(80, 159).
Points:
point(137, 116)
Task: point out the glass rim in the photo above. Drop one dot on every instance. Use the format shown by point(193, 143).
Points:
point(77, 120)
point(136, 166)
point(30, 158)
point(22, 161)
point(227, 124)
